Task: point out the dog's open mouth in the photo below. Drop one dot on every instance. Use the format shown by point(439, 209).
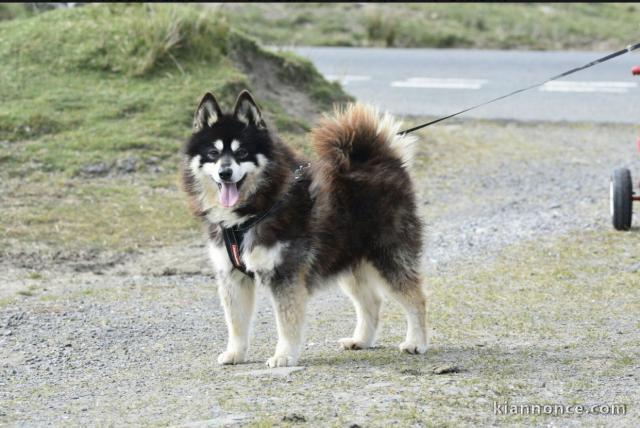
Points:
point(229, 192)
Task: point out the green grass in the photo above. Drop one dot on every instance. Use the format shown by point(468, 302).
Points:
point(100, 83)
point(473, 25)
point(587, 271)
point(15, 10)
point(121, 213)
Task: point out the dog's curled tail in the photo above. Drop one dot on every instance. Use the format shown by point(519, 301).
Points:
point(359, 133)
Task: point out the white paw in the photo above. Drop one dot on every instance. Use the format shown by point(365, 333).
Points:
point(413, 348)
point(281, 361)
point(231, 357)
point(351, 343)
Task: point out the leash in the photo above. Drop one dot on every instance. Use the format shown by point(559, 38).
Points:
point(629, 48)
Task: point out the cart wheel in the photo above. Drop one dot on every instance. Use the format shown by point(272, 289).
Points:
point(621, 194)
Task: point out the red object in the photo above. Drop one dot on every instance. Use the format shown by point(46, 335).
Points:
point(635, 70)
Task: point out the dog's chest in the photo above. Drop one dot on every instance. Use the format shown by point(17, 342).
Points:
point(260, 258)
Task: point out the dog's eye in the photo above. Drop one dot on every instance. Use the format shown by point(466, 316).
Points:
point(211, 154)
point(241, 153)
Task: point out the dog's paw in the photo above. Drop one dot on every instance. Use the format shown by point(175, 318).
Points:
point(413, 347)
point(281, 361)
point(349, 343)
point(231, 357)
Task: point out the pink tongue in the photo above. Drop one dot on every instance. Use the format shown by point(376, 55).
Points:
point(229, 194)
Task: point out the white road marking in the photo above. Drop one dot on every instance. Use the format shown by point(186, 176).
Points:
point(347, 78)
point(439, 83)
point(601, 86)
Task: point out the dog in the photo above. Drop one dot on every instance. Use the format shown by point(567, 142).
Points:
point(277, 221)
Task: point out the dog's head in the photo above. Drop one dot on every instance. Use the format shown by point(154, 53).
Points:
point(227, 153)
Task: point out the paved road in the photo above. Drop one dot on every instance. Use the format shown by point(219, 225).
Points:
point(436, 82)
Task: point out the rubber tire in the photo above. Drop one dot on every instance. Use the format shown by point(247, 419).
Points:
point(621, 194)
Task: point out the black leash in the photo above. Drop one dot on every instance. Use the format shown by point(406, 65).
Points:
point(629, 48)
point(234, 236)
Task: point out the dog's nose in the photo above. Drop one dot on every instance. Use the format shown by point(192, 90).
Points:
point(225, 173)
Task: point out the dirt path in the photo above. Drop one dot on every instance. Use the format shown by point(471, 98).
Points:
point(534, 300)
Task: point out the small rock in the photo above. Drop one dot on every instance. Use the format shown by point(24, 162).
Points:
point(294, 417)
point(446, 369)
point(100, 168)
point(152, 160)
point(127, 165)
point(7, 333)
point(169, 272)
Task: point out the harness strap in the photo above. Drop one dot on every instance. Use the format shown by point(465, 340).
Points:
point(232, 241)
point(234, 236)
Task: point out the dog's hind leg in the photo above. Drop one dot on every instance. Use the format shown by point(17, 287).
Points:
point(289, 303)
point(362, 290)
point(411, 297)
point(404, 285)
point(237, 294)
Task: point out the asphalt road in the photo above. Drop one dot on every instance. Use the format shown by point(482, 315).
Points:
point(437, 82)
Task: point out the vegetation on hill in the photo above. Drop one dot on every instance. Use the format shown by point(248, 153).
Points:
point(100, 83)
point(480, 25)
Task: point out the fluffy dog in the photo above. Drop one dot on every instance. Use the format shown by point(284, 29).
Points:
point(276, 221)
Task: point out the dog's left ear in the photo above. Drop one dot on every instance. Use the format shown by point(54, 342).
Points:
point(247, 111)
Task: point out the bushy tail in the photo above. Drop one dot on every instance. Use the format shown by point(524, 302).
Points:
point(359, 133)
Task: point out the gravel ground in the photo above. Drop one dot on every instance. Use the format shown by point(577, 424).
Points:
point(110, 339)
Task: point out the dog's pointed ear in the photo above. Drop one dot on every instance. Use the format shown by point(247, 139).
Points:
point(207, 113)
point(247, 111)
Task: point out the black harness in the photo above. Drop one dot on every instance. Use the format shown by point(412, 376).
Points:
point(234, 236)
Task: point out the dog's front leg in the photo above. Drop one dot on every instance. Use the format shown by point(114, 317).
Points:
point(289, 303)
point(237, 295)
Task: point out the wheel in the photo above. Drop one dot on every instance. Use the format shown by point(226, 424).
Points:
point(621, 195)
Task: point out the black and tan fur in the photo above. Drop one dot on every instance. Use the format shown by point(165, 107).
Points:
point(352, 219)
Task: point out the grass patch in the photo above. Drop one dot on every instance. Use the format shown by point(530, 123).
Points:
point(103, 83)
point(10, 11)
point(35, 276)
point(472, 25)
point(121, 214)
point(536, 289)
